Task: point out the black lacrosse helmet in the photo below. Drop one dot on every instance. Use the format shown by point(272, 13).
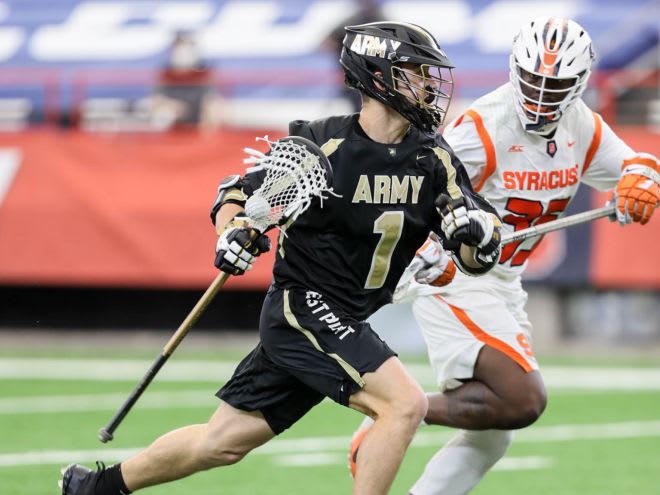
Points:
point(384, 48)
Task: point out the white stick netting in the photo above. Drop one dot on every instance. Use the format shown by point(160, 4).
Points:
point(294, 176)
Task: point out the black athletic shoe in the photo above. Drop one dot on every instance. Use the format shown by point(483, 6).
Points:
point(80, 480)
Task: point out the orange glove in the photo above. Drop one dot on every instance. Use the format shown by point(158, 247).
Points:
point(438, 268)
point(638, 191)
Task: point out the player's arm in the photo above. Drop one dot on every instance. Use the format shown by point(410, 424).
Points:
point(476, 229)
point(468, 145)
point(229, 202)
point(469, 224)
point(431, 266)
point(633, 177)
point(238, 244)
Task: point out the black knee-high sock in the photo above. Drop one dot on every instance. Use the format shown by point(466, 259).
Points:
point(112, 482)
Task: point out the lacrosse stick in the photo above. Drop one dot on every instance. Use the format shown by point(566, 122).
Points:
point(562, 223)
point(296, 171)
point(520, 235)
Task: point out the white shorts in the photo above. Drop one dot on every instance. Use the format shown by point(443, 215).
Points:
point(459, 319)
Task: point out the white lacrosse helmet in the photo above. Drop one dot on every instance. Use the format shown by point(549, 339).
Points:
point(549, 68)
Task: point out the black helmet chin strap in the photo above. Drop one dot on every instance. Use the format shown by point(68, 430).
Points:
point(543, 121)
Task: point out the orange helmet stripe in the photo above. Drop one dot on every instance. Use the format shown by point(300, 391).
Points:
point(553, 41)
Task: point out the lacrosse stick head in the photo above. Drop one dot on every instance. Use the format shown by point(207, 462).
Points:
point(296, 172)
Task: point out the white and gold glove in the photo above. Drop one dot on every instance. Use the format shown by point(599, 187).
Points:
point(238, 247)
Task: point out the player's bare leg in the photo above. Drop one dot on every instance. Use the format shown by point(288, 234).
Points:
point(398, 405)
point(228, 436)
point(501, 395)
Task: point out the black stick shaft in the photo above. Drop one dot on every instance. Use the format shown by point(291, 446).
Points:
point(106, 433)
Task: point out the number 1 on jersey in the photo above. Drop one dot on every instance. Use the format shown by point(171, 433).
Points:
point(390, 227)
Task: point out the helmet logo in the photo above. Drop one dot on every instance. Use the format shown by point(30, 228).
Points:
point(373, 46)
point(554, 34)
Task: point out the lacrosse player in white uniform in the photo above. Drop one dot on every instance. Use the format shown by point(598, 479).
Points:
point(527, 146)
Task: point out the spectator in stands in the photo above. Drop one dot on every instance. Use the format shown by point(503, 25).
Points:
point(184, 95)
point(367, 11)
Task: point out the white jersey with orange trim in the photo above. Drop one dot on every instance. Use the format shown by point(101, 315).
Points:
point(529, 180)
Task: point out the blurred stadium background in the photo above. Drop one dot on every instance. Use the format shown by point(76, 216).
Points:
point(119, 118)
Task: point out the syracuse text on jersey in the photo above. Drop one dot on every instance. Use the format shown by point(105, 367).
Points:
point(532, 180)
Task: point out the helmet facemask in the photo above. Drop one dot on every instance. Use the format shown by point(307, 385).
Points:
point(423, 93)
point(542, 100)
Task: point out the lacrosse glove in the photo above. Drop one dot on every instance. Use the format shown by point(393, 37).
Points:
point(637, 194)
point(438, 269)
point(238, 248)
point(462, 221)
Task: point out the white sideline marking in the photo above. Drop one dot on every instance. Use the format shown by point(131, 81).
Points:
point(300, 460)
point(322, 445)
point(324, 459)
point(106, 402)
point(563, 377)
point(113, 369)
point(64, 457)
point(523, 463)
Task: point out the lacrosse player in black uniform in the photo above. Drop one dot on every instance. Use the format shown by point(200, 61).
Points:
point(394, 181)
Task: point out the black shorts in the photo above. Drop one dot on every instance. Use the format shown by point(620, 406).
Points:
point(309, 349)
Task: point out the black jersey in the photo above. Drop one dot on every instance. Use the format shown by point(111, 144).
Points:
point(353, 248)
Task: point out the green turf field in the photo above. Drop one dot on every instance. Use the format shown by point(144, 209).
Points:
point(600, 438)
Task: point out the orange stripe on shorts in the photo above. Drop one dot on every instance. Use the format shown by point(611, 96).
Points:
point(487, 339)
